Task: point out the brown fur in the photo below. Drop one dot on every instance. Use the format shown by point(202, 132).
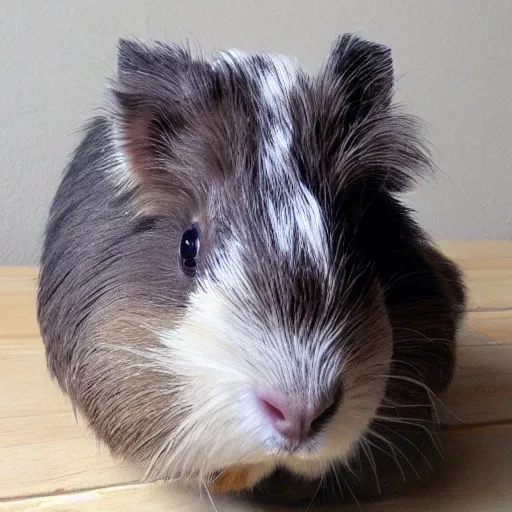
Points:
point(234, 479)
point(137, 403)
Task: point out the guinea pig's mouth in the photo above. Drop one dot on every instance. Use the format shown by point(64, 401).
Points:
point(303, 451)
point(306, 450)
point(303, 454)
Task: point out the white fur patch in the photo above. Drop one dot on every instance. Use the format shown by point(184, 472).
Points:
point(295, 215)
point(298, 224)
point(277, 130)
point(229, 57)
point(294, 212)
point(220, 355)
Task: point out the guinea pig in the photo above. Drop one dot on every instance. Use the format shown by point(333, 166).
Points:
point(233, 292)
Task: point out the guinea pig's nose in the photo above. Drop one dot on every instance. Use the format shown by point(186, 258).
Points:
point(295, 419)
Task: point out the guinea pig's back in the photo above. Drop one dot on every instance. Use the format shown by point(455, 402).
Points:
point(82, 216)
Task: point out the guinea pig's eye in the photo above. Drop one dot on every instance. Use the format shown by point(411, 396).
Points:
point(189, 249)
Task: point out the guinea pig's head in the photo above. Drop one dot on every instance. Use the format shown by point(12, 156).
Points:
point(262, 336)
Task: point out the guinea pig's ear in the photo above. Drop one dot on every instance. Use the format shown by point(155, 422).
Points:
point(154, 60)
point(379, 147)
point(157, 87)
point(363, 71)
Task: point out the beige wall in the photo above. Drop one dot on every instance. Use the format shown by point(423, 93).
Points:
point(454, 58)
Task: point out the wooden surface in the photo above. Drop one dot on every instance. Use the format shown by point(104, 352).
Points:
point(50, 462)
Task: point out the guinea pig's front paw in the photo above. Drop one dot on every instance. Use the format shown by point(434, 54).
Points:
point(241, 478)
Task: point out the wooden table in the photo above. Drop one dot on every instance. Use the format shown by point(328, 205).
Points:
point(50, 462)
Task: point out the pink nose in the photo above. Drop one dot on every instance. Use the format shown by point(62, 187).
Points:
point(295, 419)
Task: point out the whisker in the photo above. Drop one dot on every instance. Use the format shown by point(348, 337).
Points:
point(351, 492)
point(415, 382)
point(413, 445)
point(334, 472)
point(392, 454)
point(435, 400)
point(316, 493)
point(211, 499)
point(393, 405)
point(422, 335)
point(416, 422)
point(371, 460)
point(413, 423)
point(394, 447)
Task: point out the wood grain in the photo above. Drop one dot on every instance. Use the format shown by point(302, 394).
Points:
point(481, 391)
point(475, 478)
point(487, 267)
point(18, 301)
point(51, 462)
point(486, 328)
point(153, 497)
point(46, 448)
